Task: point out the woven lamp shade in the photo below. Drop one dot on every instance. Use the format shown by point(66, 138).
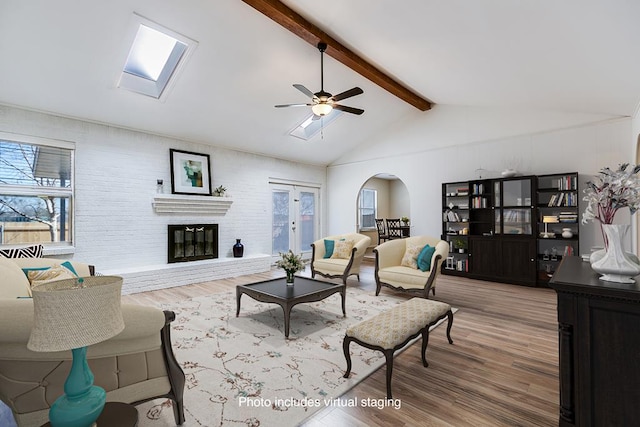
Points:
point(75, 313)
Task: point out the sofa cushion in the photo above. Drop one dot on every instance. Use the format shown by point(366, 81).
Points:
point(331, 265)
point(403, 276)
point(424, 258)
point(342, 249)
point(410, 258)
point(14, 283)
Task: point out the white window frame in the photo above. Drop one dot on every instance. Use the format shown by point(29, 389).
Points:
point(361, 208)
point(161, 88)
point(26, 190)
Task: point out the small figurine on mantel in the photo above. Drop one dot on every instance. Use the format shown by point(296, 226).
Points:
point(219, 191)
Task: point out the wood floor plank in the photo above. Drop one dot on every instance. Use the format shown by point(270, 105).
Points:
point(502, 369)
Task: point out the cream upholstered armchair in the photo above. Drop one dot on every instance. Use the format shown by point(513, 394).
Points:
point(339, 256)
point(135, 366)
point(397, 264)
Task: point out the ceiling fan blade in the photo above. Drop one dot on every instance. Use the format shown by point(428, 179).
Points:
point(293, 105)
point(304, 90)
point(348, 94)
point(346, 109)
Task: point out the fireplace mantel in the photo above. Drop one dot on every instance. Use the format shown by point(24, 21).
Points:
point(177, 203)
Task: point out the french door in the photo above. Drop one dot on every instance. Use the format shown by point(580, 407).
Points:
point(295, 218)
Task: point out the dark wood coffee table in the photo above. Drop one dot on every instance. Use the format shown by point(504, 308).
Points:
point(277, 291)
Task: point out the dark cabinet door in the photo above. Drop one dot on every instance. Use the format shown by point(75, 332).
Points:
point(484, 256)
point(519, 260)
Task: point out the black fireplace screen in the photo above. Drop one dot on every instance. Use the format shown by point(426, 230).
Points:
point(192, 242)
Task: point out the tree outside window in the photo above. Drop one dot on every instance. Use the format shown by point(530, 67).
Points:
point(35, 193)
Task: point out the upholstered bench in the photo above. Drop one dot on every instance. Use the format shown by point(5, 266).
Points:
point(393, 329)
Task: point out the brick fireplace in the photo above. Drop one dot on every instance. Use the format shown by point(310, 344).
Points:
point(192, 242)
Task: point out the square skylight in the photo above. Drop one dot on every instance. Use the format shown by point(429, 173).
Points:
point(309, 127)
point(154, 59)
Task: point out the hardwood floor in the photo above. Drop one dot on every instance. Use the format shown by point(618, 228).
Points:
point(502, 369)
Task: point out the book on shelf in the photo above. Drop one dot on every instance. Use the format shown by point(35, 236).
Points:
point(568, 182)
point(478, 188)
point(452, 216)
point(563, 199)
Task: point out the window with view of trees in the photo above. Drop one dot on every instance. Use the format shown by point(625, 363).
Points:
point(367, 205)
point(36, 191)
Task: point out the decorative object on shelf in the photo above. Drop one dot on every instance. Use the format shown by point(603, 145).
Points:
point(71, 315)
point(613, 263)
point(290, 263)
point(159, 186)
point(508, 173)
point(190, 173)
point(460, 245)
point(609, 192)
point(548, 219)
point(567, 233)
point(238, 249)
point(405, 220)
point(219, 191)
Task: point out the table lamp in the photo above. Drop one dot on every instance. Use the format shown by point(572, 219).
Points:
point(71, 315)
point(548, 219)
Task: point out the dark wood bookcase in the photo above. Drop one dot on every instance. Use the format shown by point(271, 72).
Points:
point(495, 227)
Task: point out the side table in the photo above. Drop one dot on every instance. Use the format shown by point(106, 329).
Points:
point(115, 414)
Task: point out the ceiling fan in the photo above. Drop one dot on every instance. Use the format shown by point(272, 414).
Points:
point(322, 103)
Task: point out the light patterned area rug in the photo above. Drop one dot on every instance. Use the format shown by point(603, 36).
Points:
point(241, 371)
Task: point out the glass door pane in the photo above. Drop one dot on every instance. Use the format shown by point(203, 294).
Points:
point(281, 218)
point(516, 192)
point(517, 221)
point(307, 219)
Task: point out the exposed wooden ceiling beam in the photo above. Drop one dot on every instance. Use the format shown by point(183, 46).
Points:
point(298, 25)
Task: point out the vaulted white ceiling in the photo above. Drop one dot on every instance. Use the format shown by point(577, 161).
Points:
point(575, 56)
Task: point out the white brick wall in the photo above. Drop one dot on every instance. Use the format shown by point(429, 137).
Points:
point(116, 170)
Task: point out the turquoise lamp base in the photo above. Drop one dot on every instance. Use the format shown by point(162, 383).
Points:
point(83, 402)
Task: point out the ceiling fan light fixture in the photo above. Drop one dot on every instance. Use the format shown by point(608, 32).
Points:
point(321, 109)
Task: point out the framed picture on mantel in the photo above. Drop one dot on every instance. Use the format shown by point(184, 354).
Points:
point(190, 173)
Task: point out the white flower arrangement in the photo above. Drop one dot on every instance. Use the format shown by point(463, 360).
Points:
point(290, 262)
point(611, 191)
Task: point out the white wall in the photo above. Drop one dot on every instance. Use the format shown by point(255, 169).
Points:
point(582, 148)
point(116, 171)
point(399, 200)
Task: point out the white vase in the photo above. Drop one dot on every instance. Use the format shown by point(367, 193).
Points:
point(613, 263)
point(567, 233)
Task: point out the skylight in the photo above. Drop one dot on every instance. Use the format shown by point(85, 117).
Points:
point(150, 53)
point(155, 56)
point(309, 127)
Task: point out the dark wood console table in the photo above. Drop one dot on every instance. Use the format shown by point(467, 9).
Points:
point(599, 344)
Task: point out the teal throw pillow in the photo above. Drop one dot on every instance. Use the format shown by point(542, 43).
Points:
point(424, 258)
point(328, 248)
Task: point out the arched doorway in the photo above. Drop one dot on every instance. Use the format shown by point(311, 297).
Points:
point(382, 196)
